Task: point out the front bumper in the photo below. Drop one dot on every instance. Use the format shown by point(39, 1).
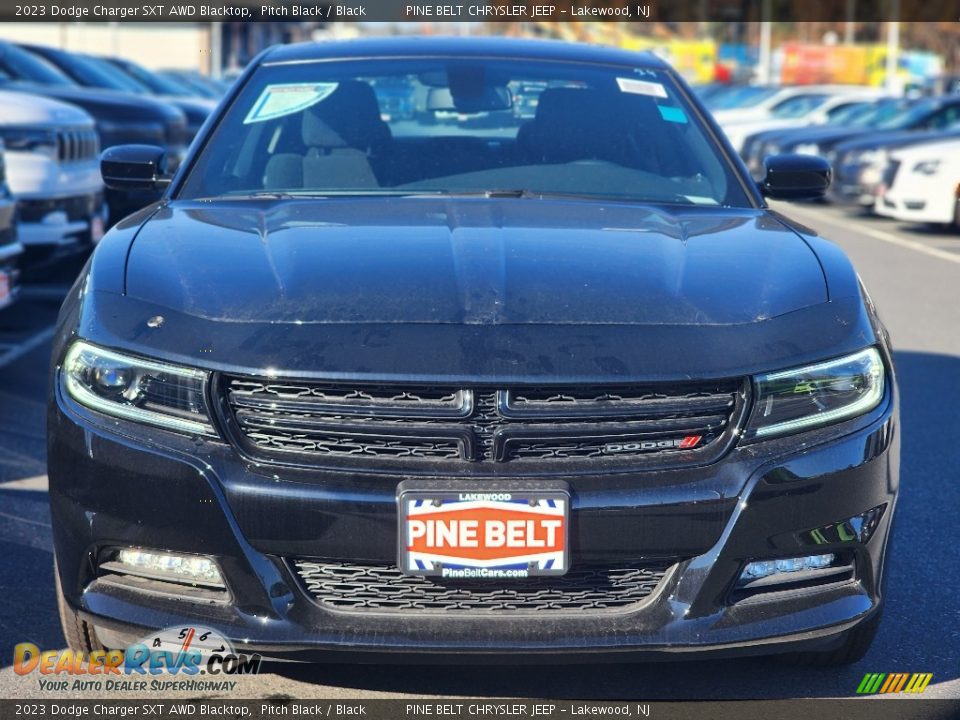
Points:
point(61, 221)
point(117, 486)
point(10, 253)
point(919, 199)
point(856, 184)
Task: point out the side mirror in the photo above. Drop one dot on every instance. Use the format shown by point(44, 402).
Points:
point(134, 167)
point(795, 177)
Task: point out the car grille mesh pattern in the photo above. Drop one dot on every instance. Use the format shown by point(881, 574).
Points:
point(382, 588)
point(283, 420)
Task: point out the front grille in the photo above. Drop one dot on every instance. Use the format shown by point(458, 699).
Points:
point(308, 422)
point(76, 145)
point(383, 588)
point(79, 207)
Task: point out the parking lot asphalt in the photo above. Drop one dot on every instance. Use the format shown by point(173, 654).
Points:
point(913, 275)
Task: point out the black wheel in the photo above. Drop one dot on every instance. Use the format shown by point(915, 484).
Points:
point(855, 646)
point(80, 635)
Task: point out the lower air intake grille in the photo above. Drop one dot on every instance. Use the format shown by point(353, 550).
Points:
point(383, 588)
point(78, 207)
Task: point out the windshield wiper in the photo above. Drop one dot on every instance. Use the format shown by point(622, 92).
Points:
point(258, 195)
point(313, 194)
point(496, 193)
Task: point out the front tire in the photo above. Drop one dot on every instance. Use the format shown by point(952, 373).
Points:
point(80, 635)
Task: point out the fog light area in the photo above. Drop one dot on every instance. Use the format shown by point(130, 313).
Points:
point(172, 567)
point(766, 568)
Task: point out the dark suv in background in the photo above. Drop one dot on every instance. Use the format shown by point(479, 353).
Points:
point(126, 77)
point(120, 119)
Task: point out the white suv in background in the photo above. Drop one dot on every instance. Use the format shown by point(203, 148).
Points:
point(921, 184)
point(10, 247)
point(52, 165)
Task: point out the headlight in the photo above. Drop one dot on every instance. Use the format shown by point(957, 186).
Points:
point(31, 140)
point(807, 149)
point(816, 395)
point(135, 389)
point(927, 167)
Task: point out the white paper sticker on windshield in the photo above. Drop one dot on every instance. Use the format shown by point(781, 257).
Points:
point(286, 99)
point(641, 87)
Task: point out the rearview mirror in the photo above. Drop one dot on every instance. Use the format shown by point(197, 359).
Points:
point(134, 167)
point(795, 177)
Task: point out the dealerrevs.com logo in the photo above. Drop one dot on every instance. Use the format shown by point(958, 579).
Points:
point(178, 658)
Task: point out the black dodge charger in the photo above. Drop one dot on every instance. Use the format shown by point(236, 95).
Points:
point(468, 381)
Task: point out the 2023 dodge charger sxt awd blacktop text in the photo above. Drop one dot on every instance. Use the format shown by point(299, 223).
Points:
point(469, 382)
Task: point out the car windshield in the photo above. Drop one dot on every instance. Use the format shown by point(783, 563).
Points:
point(882, 111)
point(797, 106)
point(116, 78)
point(909, 117)
point(847, 115)
point(152, 81)
point(18, 64)
point(745, 97)
point(457, 126)
point(85, 72)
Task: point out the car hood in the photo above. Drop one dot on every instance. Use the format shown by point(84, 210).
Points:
point(895, 139)
point(739, 132)
point(825, 137)
point(806, 133)
point(25, 109)
point(945, 148)
point(470, 261)
point(109, 105)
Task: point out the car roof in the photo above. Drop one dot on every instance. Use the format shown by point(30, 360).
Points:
point(937, 146)
point(41, 48)
point(461, 47)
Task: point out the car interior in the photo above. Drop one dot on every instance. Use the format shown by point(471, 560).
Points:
point(343, 142)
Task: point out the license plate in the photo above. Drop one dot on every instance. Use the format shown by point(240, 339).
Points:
point(483, 534)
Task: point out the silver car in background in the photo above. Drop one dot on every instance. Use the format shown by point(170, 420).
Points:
point(52, 169)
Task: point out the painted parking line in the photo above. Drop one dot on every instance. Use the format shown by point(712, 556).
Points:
point(31, 343)
point(26, 521)
point(37, 483)
point(883, 235)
